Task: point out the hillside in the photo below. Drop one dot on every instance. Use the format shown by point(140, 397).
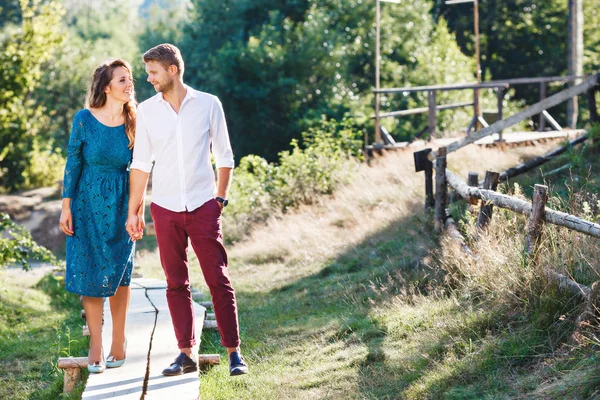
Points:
point(354, 297)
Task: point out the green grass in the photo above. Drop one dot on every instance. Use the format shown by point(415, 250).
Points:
point(385, 317)
point(38, 321)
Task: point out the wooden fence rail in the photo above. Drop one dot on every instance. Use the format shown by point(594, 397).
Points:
point(499, 86)
point(589, 84)
point(521, 206)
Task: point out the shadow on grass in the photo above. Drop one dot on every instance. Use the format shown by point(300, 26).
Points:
point(479, 357)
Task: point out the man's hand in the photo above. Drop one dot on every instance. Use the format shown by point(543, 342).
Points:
point(135, 227)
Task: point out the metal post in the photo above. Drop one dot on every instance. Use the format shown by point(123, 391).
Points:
point(476, 105)
point(575, 54)
point(478, 60)
point(377, 23)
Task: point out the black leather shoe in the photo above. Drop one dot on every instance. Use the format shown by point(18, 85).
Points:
point(237, 366)
point(182, 365)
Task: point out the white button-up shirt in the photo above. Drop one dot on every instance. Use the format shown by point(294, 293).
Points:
point(180, 146)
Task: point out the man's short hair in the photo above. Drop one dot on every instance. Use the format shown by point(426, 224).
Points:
point(167, 55)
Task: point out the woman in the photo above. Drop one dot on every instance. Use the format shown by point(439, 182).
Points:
point(94, 208)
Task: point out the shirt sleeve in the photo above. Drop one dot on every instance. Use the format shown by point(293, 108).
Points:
point(221, 147)
point(74, 156)
point(142, 149)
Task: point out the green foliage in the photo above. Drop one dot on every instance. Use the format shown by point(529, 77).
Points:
point(520, 38)
point(27, 49)
point(161, 23)
point(45, 166)
point(94, 32)
point(301, 175)
point(278, 67)
point(38, 322)
point(19, 247)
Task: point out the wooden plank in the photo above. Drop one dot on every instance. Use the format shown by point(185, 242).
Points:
point(387, 138)
point(520, 116)
point(551, 120)
point(545, 79)
point(125, 382)
point(455, 86)
point(165, 349)
point(536, 162)
point(421, 110)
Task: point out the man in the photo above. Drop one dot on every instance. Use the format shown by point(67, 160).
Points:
point(177, 128)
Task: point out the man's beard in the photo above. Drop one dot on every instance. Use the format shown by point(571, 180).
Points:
point(166, 87)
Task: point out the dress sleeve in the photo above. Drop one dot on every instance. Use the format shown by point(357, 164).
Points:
point(74, 156)
point(221, 146)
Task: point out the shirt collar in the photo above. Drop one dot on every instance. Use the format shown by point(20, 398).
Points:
point(190, 93)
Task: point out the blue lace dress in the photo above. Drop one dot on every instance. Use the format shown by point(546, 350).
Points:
point(100, 252)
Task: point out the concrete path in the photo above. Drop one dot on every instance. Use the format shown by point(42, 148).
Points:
point(151, 347)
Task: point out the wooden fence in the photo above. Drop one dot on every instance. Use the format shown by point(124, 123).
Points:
point(432, 108)
point(486, 195)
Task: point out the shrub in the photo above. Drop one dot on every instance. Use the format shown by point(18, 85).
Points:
point(45, 167)
point(313, 168)
point(20, 247)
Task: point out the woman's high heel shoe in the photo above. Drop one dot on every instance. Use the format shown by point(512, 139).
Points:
point(97, 368)
point(112, 362)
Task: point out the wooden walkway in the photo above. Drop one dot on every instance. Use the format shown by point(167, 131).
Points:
point(508, 139)
point(151, 347)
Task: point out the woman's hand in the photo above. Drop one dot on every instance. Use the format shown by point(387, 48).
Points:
point(66, 221)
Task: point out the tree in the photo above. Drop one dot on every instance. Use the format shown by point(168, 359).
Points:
point(27, 49)
point(278, 66)
point(520, 38)
point(93, 32)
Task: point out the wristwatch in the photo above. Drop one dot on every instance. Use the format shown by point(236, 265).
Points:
point(223, 201)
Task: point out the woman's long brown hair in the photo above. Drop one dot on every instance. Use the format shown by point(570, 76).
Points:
point(97, 97)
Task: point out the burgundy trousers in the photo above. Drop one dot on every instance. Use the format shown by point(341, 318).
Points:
point(202, 227)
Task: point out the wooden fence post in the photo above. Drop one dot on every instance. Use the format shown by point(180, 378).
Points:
point(591, 98)
point(486, 209)
point(432, 103)
point(473, 181)
point(422, 163)
point(441, 189)
point(429, 200)
point(500, 99)
point(536, 221)
point(542, 122)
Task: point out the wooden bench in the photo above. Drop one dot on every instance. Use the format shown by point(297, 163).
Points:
point(151, 347)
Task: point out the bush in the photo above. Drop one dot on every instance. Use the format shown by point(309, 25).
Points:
point(45, 167)
point(20, 247)
point(315, 168)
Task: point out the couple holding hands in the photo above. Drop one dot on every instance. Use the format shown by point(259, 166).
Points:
point(112, 149)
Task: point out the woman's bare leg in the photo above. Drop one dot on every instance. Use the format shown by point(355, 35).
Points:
point(93, 315)
point(119, 304)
